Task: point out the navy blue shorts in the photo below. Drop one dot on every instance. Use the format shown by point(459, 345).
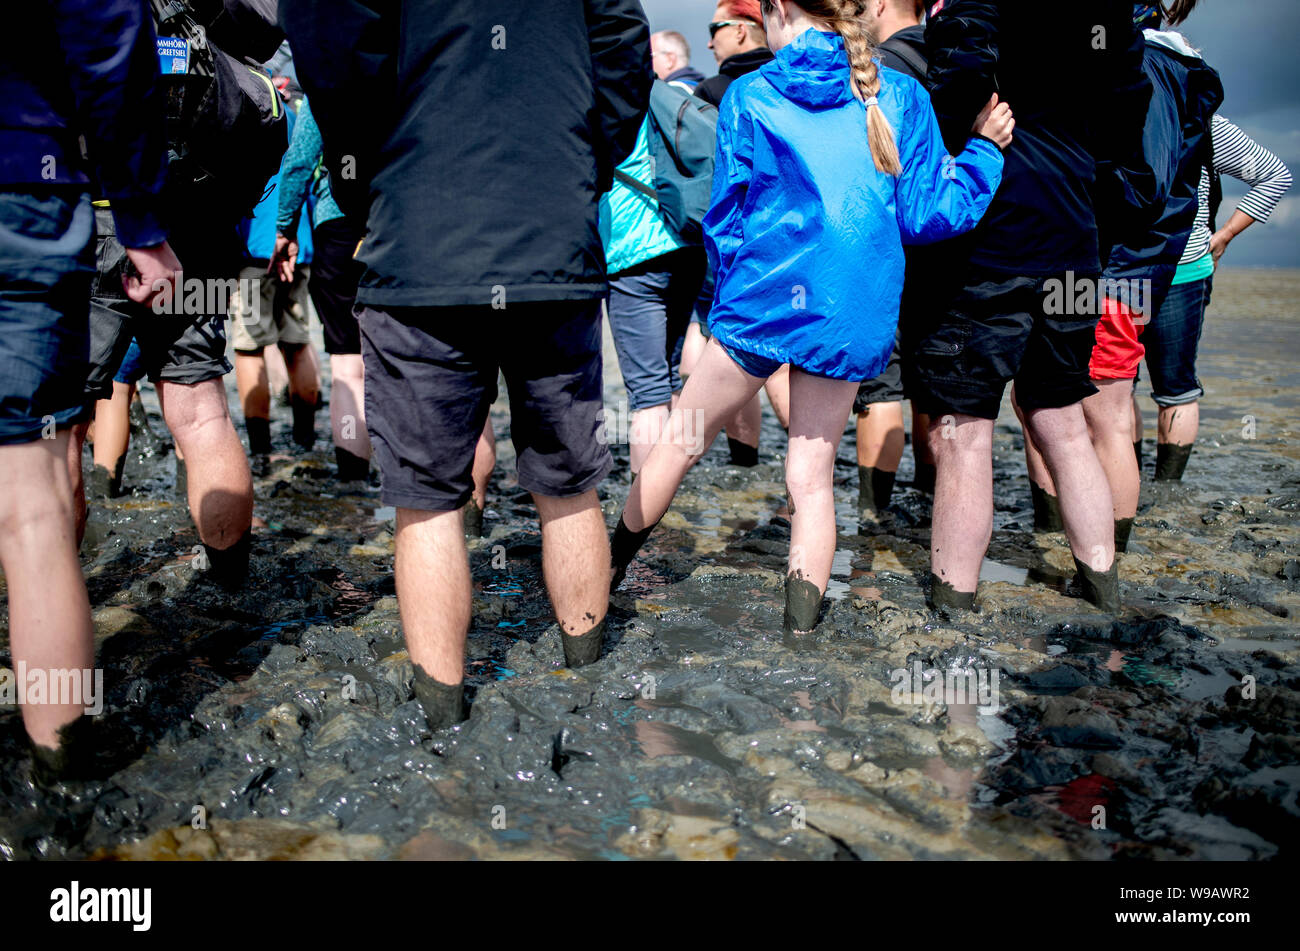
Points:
point(431, 377)
point(47, 244)
point(650, 308)
point(752, 363)
point(1171, 342)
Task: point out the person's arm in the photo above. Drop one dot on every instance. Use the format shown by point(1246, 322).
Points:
point(345, 55)
point(619, 38)
point(1238, 155)
point(938, 196)
point(732, 171)
point(110, 59)
point(296, 170)
point(962, 49)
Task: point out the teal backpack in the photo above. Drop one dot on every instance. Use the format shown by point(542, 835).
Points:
point(683, 139)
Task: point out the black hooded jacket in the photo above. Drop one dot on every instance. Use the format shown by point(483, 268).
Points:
point(474, 137)
point(1072, 74)
point(731, 69)
point(1176, 143)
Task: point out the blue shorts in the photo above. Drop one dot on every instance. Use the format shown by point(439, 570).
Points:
point(47, 260)
point(1171, 342)
point(752, 363)
point(132, 369)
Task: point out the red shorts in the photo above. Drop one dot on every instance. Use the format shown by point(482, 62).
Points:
point(1117, 352)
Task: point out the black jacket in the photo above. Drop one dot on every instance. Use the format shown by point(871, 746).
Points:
point(1072, 74)
point(732, 68)
point(1176, 141)
point(480, 134)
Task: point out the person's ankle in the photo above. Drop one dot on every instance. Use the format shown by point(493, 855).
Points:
point(443, 704)
point(583, 649)
point(1099, 588)
point(228, 567)
point(946, 600)
point(803, 605)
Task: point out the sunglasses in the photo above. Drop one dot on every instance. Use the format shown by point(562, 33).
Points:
point(715, 26)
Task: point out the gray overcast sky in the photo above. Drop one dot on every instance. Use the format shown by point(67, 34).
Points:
point(1252, 45)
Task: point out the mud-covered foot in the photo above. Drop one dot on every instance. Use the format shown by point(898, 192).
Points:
point(472, 517)
point(803, 606)
point(947, 601)
point(1098, 588)
point(1047, 509)
point(443, 704)
point(1171, 461)
point(583, 649)
point(73, 759)
point(228, 567)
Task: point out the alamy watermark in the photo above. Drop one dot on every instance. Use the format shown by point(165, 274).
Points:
point(239, 297)
point(37, 685)
point(925, 685)
point(1082, 296)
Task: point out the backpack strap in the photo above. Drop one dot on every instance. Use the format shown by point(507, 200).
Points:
point(908, 55)
point(637, 184)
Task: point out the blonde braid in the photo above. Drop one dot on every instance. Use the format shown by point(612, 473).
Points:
point(866, 76)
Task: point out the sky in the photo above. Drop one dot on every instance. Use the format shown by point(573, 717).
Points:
point(1252, 45)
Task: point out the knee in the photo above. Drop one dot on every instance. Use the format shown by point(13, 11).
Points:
point(805, 478)
point(950, 436)
point(189, 409)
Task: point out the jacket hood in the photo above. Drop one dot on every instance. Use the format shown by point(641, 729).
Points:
point(1172, 41)
point(813, 70)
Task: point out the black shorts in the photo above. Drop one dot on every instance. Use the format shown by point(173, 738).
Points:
point(175, 348)
point(885, 388)
point(335, 274)
point(959, 357)
point(431, 376)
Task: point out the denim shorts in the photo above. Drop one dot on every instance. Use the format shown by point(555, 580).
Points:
point(1172, 340)
point(650, 308)
point(47, 244)
point(132, 369)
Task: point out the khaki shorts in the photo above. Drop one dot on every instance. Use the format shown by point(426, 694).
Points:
point(281, 309)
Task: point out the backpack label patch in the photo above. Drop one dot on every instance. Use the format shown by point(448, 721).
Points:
point(174, 54)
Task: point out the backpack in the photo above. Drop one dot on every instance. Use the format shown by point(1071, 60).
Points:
point(224, 119)
point(683, 138)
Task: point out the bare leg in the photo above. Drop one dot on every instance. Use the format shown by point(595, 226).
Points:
point(1109, 415)
point(778, 394)
point(251, 381)
point(1086, 508)
point(433, 591)
point(1038, 472)
point(819, 408)
point(715, 391)
point(49, 613)
point(304, 380)
point(692, 349)
point(220, 488)
point(485, 460)
point(644, 431)
point(277, 374)
point(1139, 426)
point(575, 560)
point(113, 427)
point(76, 482)
point(1179, 425)
point(963, 499)
point(880, 436)
point(348, 404)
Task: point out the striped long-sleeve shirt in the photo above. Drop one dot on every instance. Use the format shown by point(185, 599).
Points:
point(1238, 155)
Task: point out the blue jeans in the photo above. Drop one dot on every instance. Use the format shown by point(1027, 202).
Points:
point(1171, 341)
point(649, 310)
point(47, 259)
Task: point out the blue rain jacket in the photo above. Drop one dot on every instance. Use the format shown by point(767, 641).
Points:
point(805, 236)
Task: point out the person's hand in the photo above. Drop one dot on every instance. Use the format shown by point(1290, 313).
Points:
point(995, 122)
point(1219, 242)
point(283, 258)
point(157, 277)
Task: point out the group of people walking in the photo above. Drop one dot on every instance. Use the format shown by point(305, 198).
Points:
point(870, 202)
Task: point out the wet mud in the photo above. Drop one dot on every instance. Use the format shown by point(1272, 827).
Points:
point(280, 722)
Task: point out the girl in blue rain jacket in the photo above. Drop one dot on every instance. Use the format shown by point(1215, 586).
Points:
point(827, 164)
